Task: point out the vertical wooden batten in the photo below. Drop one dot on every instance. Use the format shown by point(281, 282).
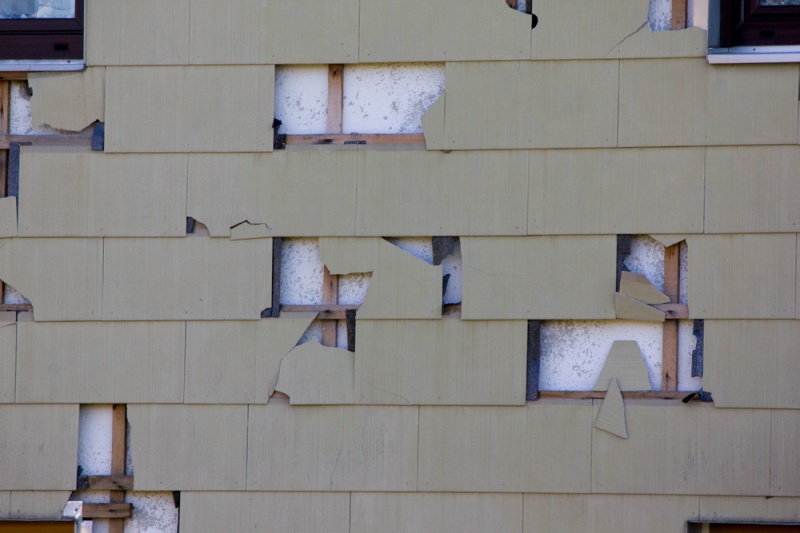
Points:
point(118, 445)
point(672, 283)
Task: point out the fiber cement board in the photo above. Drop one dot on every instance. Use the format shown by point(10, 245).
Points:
point(460, 193)
point(190, 278)
point(68, 100)
point(684, 449)
point(64, 193)
point(741, 508)
point(440, 362)
point(441, 512)
point(5, 504)
point(686, 102)
point(541, 447)
point(639, 287)
point(629, 309)
point(62, 278)
point(188, 447)
point(625, 364)
point(312, 374)
point(257, 32)
point(784, 480)
point(308, 512)
point(332, 448)
point(8, 356)
point(742, 276)
point(189, 109)
point(8, 217)
point(38, 447)
point(564, 277)
point(38, 505)
point(127, 362)
point(238, 361)
point(611, 416)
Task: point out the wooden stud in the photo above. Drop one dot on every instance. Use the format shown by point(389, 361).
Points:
point(14, 76)
point(673, 311)
point(335, 97)
point(109, 510)
point(679, 8)
point(669, 352)
point(112, 482)
point(330, 296)
point(353, 138)
point(325, 312)
point(118, 445)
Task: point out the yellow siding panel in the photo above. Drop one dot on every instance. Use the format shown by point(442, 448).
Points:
point(784, 480)
point(312, 374)
point(5, 504)
point(68, 100)
point(740, 508)
point(8, 356)
point(39, 505)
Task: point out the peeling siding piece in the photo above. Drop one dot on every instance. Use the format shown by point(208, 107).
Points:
point(739, 508)
point(64, 193)
point(461, 193)
point(68, 100)
point(8, 355)
point(191, 278)
point(8, 216)
point(625, 364)
point(238, 361)
point(720, 451)
point(312, 374)
point(685, 102)
point(309, 512)
point(38, 505)
point(430, 30)
point(548, 104)
point(440, 362)
point(630, 309)
point(332, 448)
point(38, 447)
point(257, 32)
point(188, 447)
point(61, 277)
point(602, 191)
point(742, 276)
point(543, 447)
point(189, 109)
point(639, 287)
point(296, 194)
point(145, 32)
point(538, 277)
point(752, 189)
point(611, 416)
point(246, 230)
point(785, 453)
point(441, 512)
point(128, 362)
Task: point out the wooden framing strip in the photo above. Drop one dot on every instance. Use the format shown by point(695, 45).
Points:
point(108, 510)
point(353, 138)
point(326, 312)
point(118, 445)
point(335, 98)
point(330, 296)
point(112, 482)
point(673, 311)
point(599, 395)
point(13, 76)
point(16, 307)
point(679, 14)
point(669, 352)
point(82, 140)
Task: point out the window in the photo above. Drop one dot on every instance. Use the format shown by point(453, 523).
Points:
point(35, 30)
point(759, 22)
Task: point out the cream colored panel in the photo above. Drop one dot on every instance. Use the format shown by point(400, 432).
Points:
point(8, 356)
point(611, 416)
point(680, 102)
point(625, 363)
point(332, 448)
point(630, 309)
point(8, 216)
point(5, 504)
point(128, 362)
point(191, 278)
point(543, 447)
point(238, 361)
point(752, 189)
point(38, 447)
point(607, 513)
point(431, 30)
point(639, 287)
point(312, 374)
point(753, 363)
point(684, 449)
point(189, 109)
point(188, 447)
point(144, 32)
point(64, 193)
point(691, 42)
point(63, 278)
point(440, 512)
point(307, 193)
point(257, 32)
point(68, 100)
point(739, 508)
point(39, 505)
point(538, 277)
point(785, 453)
point(440, 362)
point(742, 276)
point(461, 193)
point(307, 512)
point(547, 104)
point(605, 191)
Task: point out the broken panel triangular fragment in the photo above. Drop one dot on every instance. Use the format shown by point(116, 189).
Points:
point(611, 417)
point(639, 287)
point(625, 363)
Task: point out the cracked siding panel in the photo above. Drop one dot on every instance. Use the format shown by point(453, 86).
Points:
point(8, 355)
point(188, 447)
point(145, 32)
point(719, 451)
point(742, 276)
point(68, 100)
point(309, 512)
point(189, 109)
point(752, 189)
point(543, 447)
point(64, 193)
point(61, 277)
point(602, 191)
point(739, 508)
point(682, 102)
point(431, 30)
point(257, 32)
point(440, 362)
point(39, 505)
point(461, 193)
point(38, 447)
point(784, 480)
point(130, 362)
point(332, 448)
point(312, 374)
point(303, 193)
point(538, 277)
point(607, 513)
point(187, 278)
point(548, 104)
point(444, 513)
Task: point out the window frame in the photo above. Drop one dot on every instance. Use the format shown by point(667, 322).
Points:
point(43, 39)
point(748, 23)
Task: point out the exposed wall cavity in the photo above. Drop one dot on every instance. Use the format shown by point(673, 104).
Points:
point(659, 15)
point(20, 121)
point(301, 98)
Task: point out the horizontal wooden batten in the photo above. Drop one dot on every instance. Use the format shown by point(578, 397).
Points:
point(83, 140)
point(112, 482)
point(107, 510)
point(326, 311)
point(16, 307)
point(673, 311)
point(599, 395)
point(13, 76)
point(357, 138)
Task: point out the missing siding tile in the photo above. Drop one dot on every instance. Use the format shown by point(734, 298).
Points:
point(99, 137)
point(623, 251)
point(697, 354)
point(534, 360)
point(275, 309)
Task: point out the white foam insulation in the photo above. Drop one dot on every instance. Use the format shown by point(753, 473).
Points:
point(301, 98)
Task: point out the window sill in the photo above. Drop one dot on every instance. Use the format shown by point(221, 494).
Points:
point(753, 54)
point(40, 65)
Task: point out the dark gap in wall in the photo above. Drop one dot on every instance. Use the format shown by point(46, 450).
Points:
point(534, 358)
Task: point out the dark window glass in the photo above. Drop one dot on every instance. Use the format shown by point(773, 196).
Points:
point(41, 29)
